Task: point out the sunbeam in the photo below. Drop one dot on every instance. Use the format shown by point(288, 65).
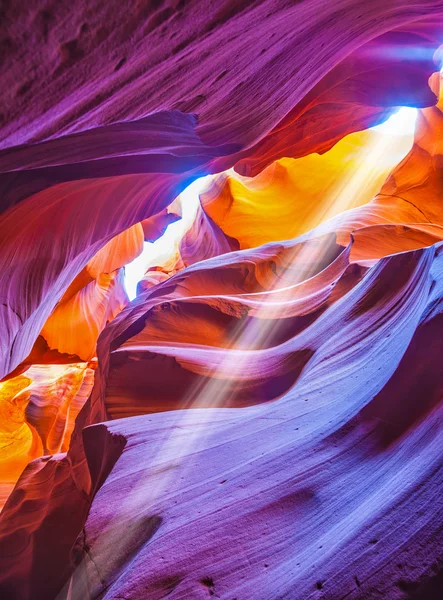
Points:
point(400, 123)
point(248, 344)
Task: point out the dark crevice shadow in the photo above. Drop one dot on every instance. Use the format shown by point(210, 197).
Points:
point(415, 388)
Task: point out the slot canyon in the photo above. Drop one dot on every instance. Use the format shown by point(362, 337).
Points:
point(221, 266)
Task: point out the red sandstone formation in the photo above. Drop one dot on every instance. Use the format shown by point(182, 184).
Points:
point(38, 412)
point(264, 420)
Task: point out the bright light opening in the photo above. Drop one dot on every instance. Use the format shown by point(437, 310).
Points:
point(400, 123)
point(155, 253)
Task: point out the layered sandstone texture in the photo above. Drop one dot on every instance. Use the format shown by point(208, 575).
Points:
point(264, 421)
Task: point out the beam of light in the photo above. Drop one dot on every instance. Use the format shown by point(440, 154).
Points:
point(171, 456)
point(155, 253)
point(400, 123)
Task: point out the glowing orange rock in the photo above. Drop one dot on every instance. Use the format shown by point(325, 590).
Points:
point(155, 226)
point(19, 442)
point(37, 415)
point(56, 395)
point(408, 200)
point(117, 252)
point(293, 196)
point(343, 191)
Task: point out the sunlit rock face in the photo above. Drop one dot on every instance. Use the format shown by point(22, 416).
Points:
point(257, 413)
point(292, 196)
point(38, 412)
